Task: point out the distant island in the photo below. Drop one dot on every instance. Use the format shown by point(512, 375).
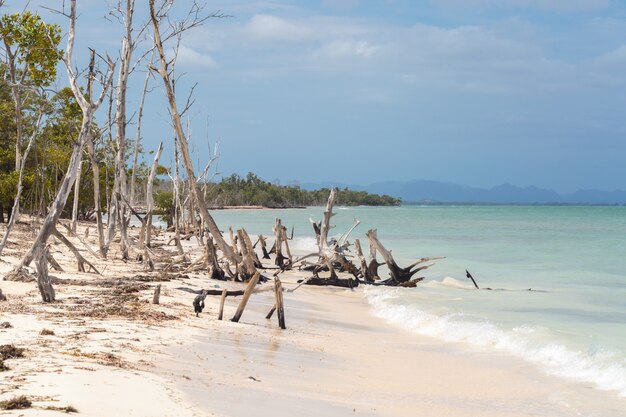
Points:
point(436, 192)
point(252, 191)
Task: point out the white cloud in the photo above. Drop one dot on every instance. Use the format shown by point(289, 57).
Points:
point(272, 28)
point(466, 57)
point(546, 5)
point(345, 49)
point(191, 58)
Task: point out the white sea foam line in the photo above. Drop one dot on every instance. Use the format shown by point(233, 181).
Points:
point(604, 369)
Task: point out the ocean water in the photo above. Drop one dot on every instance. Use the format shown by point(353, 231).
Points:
point(557, 277)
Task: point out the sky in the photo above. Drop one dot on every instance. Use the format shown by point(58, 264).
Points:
point(475, 92)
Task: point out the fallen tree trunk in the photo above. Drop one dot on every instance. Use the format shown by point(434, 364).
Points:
point(398, 275)
point(335, 282)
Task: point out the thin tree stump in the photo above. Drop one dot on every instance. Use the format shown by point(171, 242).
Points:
point(157, 294)
point(246, 296)
point(222, 300)
point(278, 291)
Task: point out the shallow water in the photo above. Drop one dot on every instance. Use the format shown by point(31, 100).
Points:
point(571, 324)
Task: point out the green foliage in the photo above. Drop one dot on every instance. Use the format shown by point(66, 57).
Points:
point(34, 44)
point(164, 206)
point(253, 191)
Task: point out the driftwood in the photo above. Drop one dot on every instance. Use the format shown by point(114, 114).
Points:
point(398, 275)
point(366, 273)
point(271, 312)
point(335, 282)
point(467, 274)
point(222, 301)
point(246, 296)
point(215, 271)
point(262, 240)
point(279, 240)
point(79, 258)
point(2, 296)
point(247, 268)
point(247, 243)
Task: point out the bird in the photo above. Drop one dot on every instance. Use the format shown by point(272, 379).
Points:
point(198, 302)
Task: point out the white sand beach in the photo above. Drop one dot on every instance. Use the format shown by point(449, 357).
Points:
point(135, 358)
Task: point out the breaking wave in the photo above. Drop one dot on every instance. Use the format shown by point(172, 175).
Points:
point(606, 370)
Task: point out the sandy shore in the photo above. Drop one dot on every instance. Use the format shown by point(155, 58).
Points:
point(112, 352)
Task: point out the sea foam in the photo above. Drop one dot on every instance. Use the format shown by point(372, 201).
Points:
point(606, 370)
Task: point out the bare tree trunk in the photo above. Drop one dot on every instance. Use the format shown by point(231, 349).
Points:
point(138, 137)
point(88, 108)
point(95, 169)
point(18, 194)
point(178, 127)
point(149, 196)
point(176, 185)
point(76, 197)
point(43, 279)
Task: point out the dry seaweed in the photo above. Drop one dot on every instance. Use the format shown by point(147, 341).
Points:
point(67, 409)
point(16, 403)
point(11, 352)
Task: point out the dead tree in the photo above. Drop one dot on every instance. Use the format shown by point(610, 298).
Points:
point(119, 181)
point(156, 15)
point(279, 241)
point(138, 136)
point(215, 271)
point(20, 187)
point(399, 276)
point(150, 196)
point(88, 108)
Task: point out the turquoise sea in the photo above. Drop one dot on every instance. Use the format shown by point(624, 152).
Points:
point(557, 273)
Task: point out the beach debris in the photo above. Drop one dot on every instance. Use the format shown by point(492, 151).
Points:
point(16, 403)
point(11, 352)
point(46, 332)
point(66, 409)
point(2, 296)
point(6, 325)
point(254, 379)
point(468, 275)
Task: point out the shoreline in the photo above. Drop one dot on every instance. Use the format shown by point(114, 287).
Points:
point(335, 358)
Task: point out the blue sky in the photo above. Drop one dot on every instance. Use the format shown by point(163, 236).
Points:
point(478, 92)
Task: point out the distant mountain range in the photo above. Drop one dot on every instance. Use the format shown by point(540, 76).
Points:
point(433, 192)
